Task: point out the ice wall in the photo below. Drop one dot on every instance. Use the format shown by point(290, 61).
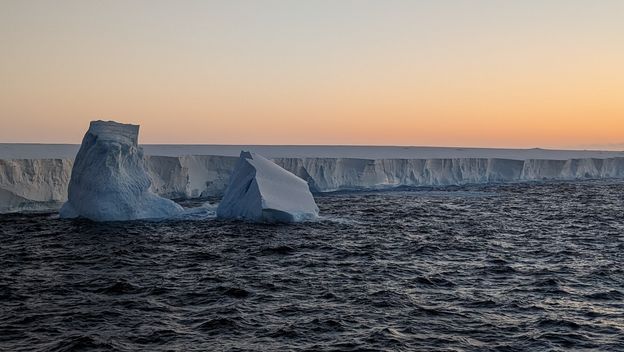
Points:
point(190, 176)
point(109, 181)
point(326, 174)
point(31, 184)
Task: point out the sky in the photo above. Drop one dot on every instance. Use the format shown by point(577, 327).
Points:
point(480, 73)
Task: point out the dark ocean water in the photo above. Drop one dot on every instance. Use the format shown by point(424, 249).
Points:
point(521, 267)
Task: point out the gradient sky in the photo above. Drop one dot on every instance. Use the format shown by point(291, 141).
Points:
point(489, 73)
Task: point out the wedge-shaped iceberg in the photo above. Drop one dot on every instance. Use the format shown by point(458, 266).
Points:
point(109, 181)
point(261, 191)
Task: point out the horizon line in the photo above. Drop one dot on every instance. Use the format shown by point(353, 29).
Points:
point(606, 148)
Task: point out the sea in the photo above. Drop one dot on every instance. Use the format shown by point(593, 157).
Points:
point(509, 267)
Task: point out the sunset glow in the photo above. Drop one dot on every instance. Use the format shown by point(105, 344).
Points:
point(439, 73)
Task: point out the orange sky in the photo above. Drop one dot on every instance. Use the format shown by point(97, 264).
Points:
point(448, 73)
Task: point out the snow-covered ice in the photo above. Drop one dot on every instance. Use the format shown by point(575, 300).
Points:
point(36, 177)
point(109, 181)
point(260, 190)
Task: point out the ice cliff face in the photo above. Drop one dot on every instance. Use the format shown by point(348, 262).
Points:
point(109, 181)
point(33, 184)
point(190, 176)
point(260, 190)
point(203, 175)
point(326, 174)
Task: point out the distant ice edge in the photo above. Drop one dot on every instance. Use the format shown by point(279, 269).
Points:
point(41, 184)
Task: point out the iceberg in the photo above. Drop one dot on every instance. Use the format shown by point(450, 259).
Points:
point(261, 191)
point(109, 180)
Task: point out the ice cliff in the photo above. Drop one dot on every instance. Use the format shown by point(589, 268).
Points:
point(109, 180)
point(33, 184)
point(260, 190)
point(326, 174)
point(36, 184)
point(190, 176)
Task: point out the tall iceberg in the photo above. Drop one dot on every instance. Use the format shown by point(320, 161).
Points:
point(109, 181)
point(262, 191)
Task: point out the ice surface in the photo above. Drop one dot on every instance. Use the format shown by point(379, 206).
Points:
point(109, 181)
point(260, 190)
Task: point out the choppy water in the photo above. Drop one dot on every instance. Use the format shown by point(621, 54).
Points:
point(524, 267)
